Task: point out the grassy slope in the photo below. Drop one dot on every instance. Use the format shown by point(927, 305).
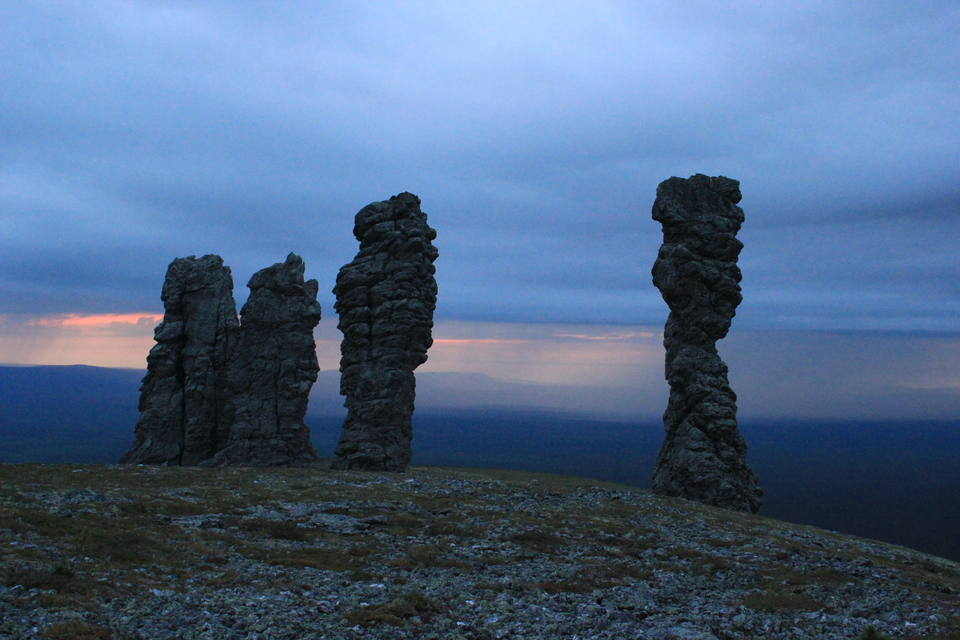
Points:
point(122, 544)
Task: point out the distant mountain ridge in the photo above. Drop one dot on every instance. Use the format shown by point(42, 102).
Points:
point(894, 481)
point(449, 390)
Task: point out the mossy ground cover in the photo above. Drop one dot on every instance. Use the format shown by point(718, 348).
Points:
point(75, 537)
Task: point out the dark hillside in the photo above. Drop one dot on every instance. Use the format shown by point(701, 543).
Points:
point(127, 551)
point(894, 481)
point(67, 414)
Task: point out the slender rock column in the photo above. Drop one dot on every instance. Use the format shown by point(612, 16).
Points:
point(385, 298)
point(183, 393)
point(272, 369)
point(703, 456)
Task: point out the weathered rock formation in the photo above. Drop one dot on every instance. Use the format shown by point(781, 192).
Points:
point(385, 298)
point(272, 368)
point(221, 392)
point(703, 456)
point(183, 393)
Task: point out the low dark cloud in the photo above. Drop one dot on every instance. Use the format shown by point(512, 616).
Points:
point(535, 134)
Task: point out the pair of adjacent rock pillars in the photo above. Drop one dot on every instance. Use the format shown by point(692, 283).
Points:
point(222, 392)
point(226, 391)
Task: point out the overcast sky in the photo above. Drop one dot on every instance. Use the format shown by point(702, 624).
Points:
point(535, 134)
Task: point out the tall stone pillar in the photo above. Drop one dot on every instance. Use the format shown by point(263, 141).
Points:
point(703, 456)
point(272, 368)
point(385, 299)
point(183, 393)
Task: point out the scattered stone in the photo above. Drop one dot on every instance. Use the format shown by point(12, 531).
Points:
point(385, 299)
point(526, 557)
point(203, 521)
point(80, 496)
point(703, 456)
point(182, 396)
point(272, 369)
point(341, 524)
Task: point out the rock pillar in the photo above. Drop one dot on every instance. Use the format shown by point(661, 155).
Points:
point(385, 299)
point(703, 456)
point(272, 368)
point(183, 393)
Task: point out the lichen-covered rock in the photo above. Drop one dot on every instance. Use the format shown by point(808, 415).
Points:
point(272, 368)
point(703, 456)
point(183, 393)
point(385, 299)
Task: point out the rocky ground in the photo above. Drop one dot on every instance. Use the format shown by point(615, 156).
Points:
point(97, 552)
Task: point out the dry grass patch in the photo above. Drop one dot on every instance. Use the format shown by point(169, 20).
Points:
point(326, 558)
point(60, 577)
point(132, 545)
point(121, 540)
point(422, 556)
point(77, 630)
point(793, 599)
point(397, 612)
point(404, 524)
point(222, 579)
point(951, 630)
point(723, 543)
point(279, 529)
point(822, 576)
point(564, 586)
point(538, 539)
point(597, 575)
point(924, 570)
point(57, 601)
point(315, 558)
point(452, 526)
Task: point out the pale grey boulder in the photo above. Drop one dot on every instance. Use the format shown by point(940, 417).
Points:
point(385, 299)
point(703, 456)
point(183, 394)
point(273, 365)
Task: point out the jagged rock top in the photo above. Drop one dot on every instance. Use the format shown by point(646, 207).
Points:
point(280, 296)
point(696, 269)
point(398, 218)
point(701, 213)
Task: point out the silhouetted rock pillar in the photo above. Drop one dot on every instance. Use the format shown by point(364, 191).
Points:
point(385, 298)
point(183, 393)
point(272, 369)
point(703, 456)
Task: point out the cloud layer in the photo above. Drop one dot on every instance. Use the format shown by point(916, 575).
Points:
point(535, 134)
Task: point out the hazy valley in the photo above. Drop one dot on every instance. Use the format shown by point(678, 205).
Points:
point(892, 481)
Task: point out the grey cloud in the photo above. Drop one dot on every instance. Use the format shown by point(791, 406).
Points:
point(535, 134)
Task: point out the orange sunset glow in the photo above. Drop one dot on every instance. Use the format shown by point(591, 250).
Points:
point(593, 355)
point(102, 320)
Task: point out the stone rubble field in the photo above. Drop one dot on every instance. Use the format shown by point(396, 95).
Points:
point(116, 552)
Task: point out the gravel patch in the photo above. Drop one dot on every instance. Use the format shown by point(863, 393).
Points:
point(255, 554)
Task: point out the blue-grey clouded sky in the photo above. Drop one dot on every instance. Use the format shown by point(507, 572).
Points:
point(535, 134)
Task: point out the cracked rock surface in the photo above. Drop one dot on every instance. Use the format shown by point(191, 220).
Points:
point(385, 299)
point(272, 368)
point(183, 393)
point(703, 456)
point(221, 392)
